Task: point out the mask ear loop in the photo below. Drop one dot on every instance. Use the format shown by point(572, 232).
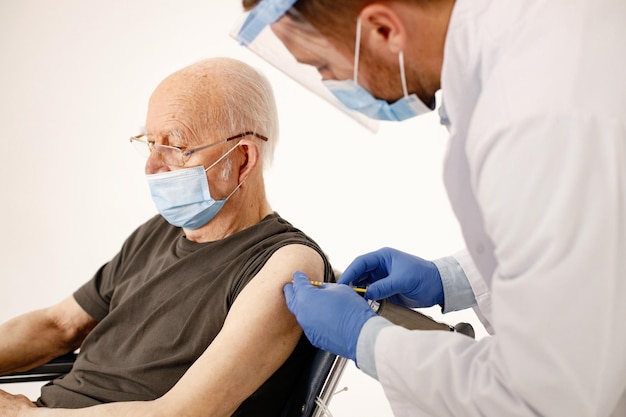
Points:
point(236, 188)
point(402, 73)
point(221, 157)
point(218, 161)
point(357, 51)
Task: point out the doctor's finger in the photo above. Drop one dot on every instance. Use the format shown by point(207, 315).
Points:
point(290, 298)
point(364, 269)
point(300, 278)
point(382, 289)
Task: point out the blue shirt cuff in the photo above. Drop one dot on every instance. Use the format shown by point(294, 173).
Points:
point(365, 347)
point(457, 291)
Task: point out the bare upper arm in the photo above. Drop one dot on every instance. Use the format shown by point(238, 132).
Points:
point(258, 335)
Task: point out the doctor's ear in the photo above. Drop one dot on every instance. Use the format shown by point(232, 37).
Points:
point(382, 28)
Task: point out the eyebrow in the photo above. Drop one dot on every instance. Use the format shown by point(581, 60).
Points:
point(176, 133)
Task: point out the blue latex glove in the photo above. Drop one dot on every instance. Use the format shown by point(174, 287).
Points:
point(403, 278)
point(331, 316)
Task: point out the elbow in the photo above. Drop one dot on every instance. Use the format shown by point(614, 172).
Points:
point(65, 334)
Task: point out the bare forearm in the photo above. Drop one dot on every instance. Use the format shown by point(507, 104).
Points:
point(160, 407)
point(121, 409)
point(28, 341)
point(19, 406)
point(35, 338)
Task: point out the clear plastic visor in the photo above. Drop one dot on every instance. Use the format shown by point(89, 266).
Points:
point(296, 48)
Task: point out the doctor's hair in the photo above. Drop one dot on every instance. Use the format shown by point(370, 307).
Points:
point(335, 19)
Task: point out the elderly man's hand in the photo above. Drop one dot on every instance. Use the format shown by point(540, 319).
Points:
point(14, 405)
point(331, 316)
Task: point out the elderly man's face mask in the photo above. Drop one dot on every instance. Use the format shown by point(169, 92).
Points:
point(279, 34)
point(183, 198)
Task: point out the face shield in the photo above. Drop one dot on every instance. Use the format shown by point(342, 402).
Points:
point(276, 32)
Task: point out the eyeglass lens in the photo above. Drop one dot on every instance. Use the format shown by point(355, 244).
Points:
point(169, 155)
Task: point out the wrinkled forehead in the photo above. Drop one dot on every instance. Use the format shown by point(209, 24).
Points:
point(175, 106)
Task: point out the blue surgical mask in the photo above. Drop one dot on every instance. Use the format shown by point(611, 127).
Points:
point(183, 198)
point(355, 97)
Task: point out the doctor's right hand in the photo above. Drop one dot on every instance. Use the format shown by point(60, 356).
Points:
point(402, 278)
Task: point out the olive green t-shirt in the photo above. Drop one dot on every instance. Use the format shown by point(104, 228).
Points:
point(159, 303)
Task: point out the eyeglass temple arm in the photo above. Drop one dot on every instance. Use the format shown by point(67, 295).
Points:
point(241, 135)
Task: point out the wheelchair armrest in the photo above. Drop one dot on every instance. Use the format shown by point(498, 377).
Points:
point(53, 369)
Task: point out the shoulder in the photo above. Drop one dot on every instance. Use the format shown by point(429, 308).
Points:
point(291, 258)
point(289, 247)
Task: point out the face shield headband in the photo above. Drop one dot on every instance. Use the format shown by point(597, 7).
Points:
point(264, 14)
point(255, 31)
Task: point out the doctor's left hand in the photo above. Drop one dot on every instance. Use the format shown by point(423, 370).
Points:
point(14, 405)
point(331, 316)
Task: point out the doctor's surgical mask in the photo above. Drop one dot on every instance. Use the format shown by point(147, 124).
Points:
point(355, 97)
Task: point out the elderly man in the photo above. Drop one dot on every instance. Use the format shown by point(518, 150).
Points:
point(189, 317)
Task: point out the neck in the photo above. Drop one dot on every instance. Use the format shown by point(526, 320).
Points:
point(241, 211)
point(429, 35)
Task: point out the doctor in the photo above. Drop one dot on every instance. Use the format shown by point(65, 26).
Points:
point(534, 98)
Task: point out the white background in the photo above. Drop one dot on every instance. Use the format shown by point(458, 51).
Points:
point(75, 79)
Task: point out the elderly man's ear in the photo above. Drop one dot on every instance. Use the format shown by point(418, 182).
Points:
point(250, 158)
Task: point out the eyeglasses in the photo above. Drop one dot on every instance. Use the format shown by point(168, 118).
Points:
point(174, 155)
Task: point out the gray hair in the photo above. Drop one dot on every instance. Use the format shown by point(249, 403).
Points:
point(236, 98)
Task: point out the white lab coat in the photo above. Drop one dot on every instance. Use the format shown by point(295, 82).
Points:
point(534, 97)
